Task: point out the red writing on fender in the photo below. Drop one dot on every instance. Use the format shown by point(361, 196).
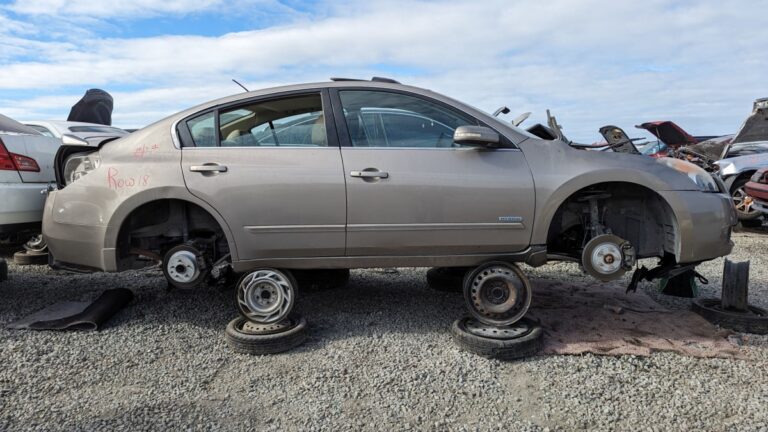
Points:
point(116, 181)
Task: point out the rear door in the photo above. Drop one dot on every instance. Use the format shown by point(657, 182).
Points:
point(412, 191)
point(272, 168)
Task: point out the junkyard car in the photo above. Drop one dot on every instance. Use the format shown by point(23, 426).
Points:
point(757, 189)
point(26, 168)
point(353, 173)
point(736, 159)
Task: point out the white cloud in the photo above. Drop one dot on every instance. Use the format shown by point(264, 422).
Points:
point(593, 62)
point(103, 9)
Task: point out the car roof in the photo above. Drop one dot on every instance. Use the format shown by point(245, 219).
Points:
point(305, 86)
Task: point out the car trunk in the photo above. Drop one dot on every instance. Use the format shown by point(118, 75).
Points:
point(25, 143)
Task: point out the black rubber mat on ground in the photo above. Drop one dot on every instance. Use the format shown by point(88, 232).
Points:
point(77, 315)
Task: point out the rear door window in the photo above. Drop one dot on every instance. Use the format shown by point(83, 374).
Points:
point(296, 121)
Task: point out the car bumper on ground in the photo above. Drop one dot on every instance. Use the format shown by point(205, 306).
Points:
point(21, 205)
point(705, 221)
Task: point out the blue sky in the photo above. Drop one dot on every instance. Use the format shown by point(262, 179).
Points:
point(592, 62)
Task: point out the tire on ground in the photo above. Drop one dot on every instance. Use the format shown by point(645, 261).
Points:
point(259, 344)
point(448, 279)
point(526, 345)
point(755, 321)
point(30, 258)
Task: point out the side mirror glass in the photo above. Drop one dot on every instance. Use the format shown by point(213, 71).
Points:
point(478, 136)
point(67, 139)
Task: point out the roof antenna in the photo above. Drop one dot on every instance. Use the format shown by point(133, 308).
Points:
point(235, 81)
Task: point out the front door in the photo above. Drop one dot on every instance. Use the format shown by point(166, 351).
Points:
point(272, 168)
point(411, 191)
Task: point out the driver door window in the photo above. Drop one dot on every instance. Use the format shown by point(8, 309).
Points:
point(383, 119)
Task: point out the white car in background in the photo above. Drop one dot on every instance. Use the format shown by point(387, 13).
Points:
point(91, 132)
point(26, 169)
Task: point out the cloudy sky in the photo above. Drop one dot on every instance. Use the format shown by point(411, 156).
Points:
point(592, 62)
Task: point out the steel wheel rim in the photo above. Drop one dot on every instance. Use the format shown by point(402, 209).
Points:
point(255, 328)
point(498, 295)
point(182, 267)
point(606, 258)
point(265, 296)
point(512, 331)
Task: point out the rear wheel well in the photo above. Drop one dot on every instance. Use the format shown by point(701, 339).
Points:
point(155, 227)
point(628, 210)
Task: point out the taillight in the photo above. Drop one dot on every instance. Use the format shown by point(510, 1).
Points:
point(16, 162)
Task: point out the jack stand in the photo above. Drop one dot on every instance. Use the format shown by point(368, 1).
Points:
point(732, 310)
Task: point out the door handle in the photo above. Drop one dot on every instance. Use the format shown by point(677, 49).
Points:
point(369, 174)
point(208, 168)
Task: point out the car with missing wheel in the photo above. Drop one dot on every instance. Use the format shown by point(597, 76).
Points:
point(352, 174)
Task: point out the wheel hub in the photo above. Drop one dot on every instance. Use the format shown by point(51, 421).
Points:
point(182, 267)
point(606, 258)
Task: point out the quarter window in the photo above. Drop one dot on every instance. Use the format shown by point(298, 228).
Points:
point(202, 130)
point(384, 119)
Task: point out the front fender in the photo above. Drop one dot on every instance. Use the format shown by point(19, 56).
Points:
point(550, 198)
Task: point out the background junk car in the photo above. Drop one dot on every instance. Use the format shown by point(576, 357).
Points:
point(26, 168)
point(350, 174)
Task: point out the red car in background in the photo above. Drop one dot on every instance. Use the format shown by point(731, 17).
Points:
point(757, 190)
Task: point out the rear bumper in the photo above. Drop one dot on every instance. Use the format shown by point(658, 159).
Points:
point(21, 206)
point(76, 246)
point(705, 221)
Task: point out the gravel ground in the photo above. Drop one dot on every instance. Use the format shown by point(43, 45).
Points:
point(379, 357)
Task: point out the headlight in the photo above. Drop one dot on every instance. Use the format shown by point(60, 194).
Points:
point(80, 164)
point(703, 180)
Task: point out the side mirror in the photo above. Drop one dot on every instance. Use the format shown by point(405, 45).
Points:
point(67, 139)
point(478, 136)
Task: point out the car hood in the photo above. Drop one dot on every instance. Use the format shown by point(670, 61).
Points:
point(669, 133)
point(755, 127)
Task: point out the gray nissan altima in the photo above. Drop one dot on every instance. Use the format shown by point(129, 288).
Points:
point(350, 174)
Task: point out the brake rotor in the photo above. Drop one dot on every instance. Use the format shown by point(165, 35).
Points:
point(603, 257)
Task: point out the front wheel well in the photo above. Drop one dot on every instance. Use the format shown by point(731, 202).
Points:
point(740, 176)
point(628, 210)
point(155, 227)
